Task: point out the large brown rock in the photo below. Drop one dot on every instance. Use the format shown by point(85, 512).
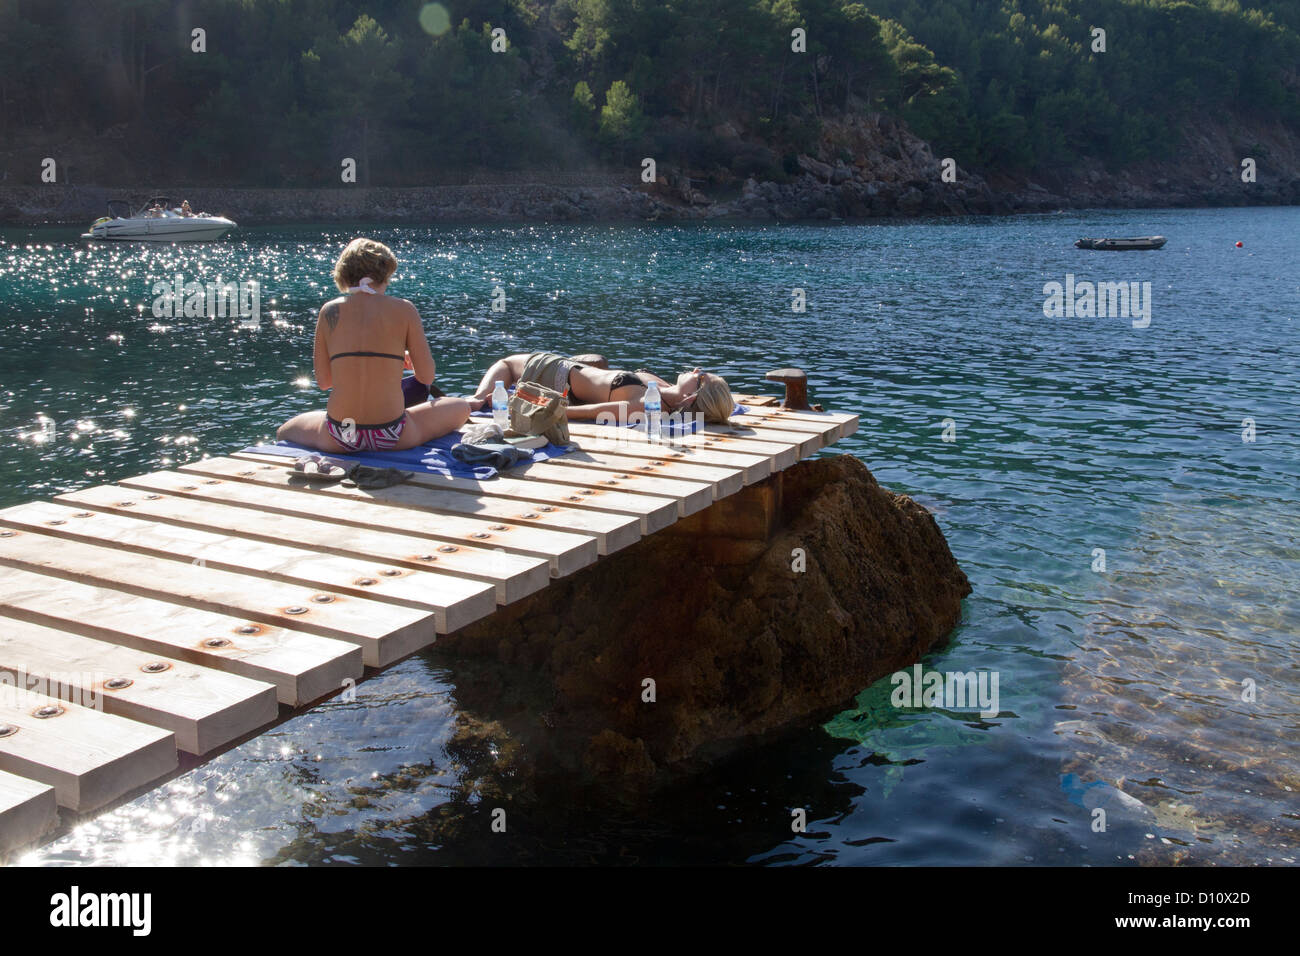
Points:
point(738, 641)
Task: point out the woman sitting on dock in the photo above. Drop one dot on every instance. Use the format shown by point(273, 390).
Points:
point(363, 339)
point(594, 391)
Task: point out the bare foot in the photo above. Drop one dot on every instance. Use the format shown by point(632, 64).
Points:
point(476, 404)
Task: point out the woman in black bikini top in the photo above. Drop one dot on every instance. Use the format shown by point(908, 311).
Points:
point(623, 380)
point(367, 405)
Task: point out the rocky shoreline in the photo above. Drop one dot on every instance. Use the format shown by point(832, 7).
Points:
point(809, 198)
point(865, 167)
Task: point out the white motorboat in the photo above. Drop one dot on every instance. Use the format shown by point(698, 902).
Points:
point(157, 221)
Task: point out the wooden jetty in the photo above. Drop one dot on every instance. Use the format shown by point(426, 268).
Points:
point(149, 625)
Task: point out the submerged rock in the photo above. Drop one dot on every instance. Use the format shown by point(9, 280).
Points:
point(765, 612)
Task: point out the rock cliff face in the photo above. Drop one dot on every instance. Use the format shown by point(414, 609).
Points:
point(867, 166)
point(737, 639)
point(870, 166)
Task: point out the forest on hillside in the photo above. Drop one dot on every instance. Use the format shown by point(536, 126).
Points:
point(413, 90)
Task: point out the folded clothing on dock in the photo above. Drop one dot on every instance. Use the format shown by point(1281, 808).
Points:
point(434, 458)
point(497, 454)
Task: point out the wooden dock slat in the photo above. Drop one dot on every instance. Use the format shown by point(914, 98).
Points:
point(804, 442)
point(782, 452)
point(204, 708)
point(89, 758)
point(768, 404)
point(654, 514)
point(781, 455)
point(513, 575)
point(453, 599)
point(611, 531)
point(847, 423)
point(724, 481)
point(303, 667)
point(690, 496)
point(765, 418)
point(28, 811)
point(761, 420)
point(753, 468)
point(565, 552)
point(752, 401)
point(385, 632)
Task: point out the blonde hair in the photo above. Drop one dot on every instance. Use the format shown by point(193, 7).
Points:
point(714, 399)
point(364, 258)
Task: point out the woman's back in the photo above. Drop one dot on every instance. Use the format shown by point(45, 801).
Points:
point(366, 387)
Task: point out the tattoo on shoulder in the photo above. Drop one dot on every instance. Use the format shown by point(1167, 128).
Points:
point(331, 314)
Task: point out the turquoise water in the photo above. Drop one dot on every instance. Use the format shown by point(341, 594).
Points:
point(1070, 435)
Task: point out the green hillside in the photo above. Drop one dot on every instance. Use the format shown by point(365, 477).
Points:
point(414, 91)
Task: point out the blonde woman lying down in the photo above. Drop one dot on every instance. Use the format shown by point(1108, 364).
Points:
point(593, 390)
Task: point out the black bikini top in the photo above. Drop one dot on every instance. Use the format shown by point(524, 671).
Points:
point(400, 358)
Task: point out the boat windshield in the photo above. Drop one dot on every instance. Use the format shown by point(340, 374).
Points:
point(162, 202)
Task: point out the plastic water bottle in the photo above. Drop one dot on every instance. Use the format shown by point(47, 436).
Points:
point(500, 406)
point(653, 407)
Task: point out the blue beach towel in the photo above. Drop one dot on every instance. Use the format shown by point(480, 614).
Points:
point(434, 458)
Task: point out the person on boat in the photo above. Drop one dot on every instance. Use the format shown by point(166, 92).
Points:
point(185, 208)
point(363, 340)
point(593, 390)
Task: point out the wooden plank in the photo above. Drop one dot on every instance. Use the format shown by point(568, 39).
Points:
point(755, 400)
point(513, 575)
point(385, 632)
point(564, 552)
point(827, 427)
point(88, 757)
point(690, 496)
point(611, 531)
point(827, 431)
point(782, 456)
point(782, 452)
point(204, 708)
point(754, 468)
point(303, 667)
point(28, 811)
point(455, 601)
point(654, 514)
point(805, 443)
point(848, 424)
point(723, 480)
